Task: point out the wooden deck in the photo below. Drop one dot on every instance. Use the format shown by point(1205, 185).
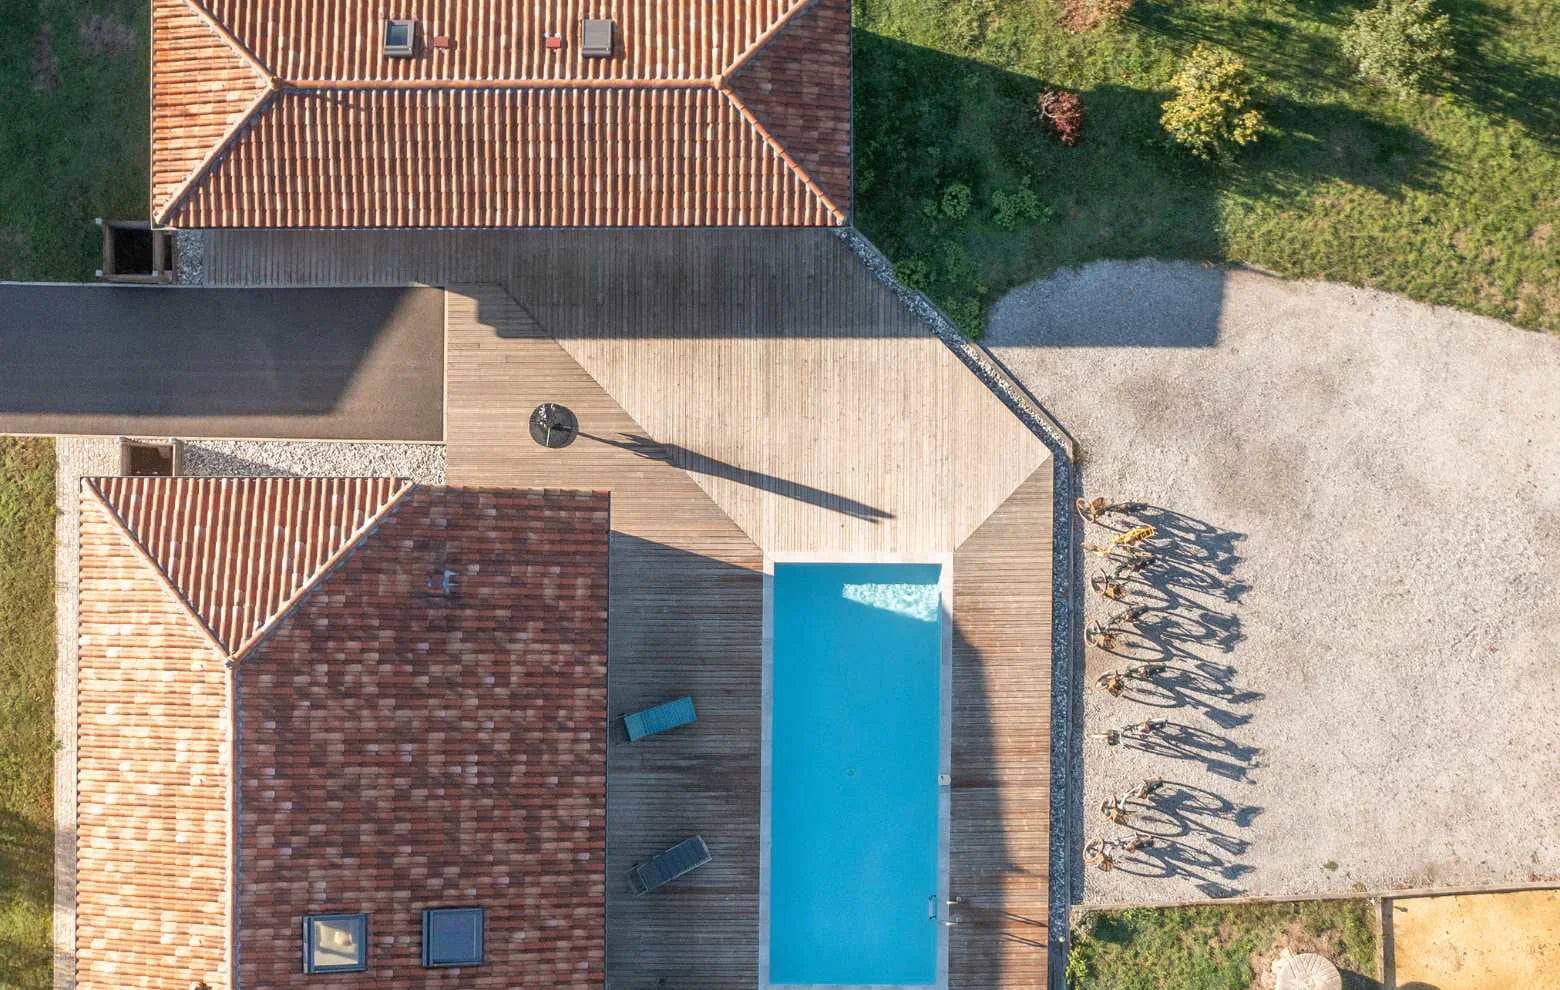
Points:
point(1000, 850)
point(744, 393)
point(686, 617)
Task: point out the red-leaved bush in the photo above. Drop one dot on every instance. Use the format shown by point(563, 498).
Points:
point(1063, 112)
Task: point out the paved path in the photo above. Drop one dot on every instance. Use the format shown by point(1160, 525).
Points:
point(1360, 585)
point(327, 364)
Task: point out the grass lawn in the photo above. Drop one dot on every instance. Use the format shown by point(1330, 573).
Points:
point(26, 710)
point(1449, 198)
point(73, 146)
point(1215, 947)
point(73, 135)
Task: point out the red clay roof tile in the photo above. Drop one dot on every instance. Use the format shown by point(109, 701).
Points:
point(498, 129)
point(395, 749)
point(239, 551)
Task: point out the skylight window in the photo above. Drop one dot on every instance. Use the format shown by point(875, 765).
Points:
point(335, 943)
point(452, 936)
point(596, 39)
point(400, 38)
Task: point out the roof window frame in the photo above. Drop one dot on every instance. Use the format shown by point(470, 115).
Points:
point(428, 960)
point(361, 919)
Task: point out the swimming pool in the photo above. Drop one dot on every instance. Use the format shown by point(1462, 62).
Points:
point(856, 742)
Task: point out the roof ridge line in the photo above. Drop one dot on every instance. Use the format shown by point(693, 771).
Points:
point(785, 156)
point(157, 569)
point(330, 85)
point(759, 42)
point(350, 544)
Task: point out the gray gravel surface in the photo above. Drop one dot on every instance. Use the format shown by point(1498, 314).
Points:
point(420, 462)
point(1356, 588)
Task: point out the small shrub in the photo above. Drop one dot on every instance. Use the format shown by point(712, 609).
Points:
point(966, 315)
point(1401, 44)
point(914, 273)
point(1086, 15)
point(1063, 113)
point(1022, 205)
point(1211, 113)
point(960, 271)
point(956, 201)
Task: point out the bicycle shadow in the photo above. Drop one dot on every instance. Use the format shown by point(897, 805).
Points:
point(1219, 755)
point(1216, 698)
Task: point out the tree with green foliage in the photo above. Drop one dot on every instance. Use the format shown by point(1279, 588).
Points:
point(1401, 44)
point(1211, 114)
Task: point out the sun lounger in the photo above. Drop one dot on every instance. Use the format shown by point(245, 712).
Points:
point(662, 868)
point(668, 715)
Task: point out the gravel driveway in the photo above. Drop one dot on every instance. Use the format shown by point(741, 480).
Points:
point(1354, 590)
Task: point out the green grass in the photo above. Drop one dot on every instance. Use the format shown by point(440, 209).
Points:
point(1212, 947)
point(26, 710)
point(1447, 198)
point(73, 146)
point(73, 134)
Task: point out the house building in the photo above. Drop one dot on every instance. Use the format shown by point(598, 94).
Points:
point(331, 725)
point(451, 113)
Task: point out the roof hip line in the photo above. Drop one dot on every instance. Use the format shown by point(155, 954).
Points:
point(232, 40)
point(242, 649)
point(318, 85)
point(251, 113)
point(785, 156)
point(156, 568)
point(763, 39)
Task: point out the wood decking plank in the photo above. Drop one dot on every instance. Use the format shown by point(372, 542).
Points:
point(1000, 849)
point(788, 403)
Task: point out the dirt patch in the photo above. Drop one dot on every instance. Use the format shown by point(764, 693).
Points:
point(1477, 941)
point(1086, 15)
point(1353, 593)
point(45, 64)
point(102, 35)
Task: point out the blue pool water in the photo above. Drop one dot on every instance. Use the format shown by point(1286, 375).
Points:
point(854, 748)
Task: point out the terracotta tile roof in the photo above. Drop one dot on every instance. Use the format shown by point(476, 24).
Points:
point(402, 751)
point(798, 86)
point(710, 112)
point(395, 749)
point(239, 551)
point(201, 90)
point(152, 777)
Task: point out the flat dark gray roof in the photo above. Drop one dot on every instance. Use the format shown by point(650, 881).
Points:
point(324, 363)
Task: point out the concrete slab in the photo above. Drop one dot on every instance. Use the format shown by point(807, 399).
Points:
point(1477, 941)
point(322, 364)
